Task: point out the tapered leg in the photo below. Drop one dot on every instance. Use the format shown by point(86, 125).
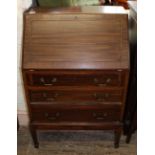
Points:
point(34, 136)
point(117, 137)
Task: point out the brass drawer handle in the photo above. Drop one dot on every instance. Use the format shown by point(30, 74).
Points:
point(50, 98)
point(48, 84)
point(108, 80)
point(52, 118)
point(96, 81)
point(101, 84)
point(53, 80)
point(101, 97)
point(100, 116)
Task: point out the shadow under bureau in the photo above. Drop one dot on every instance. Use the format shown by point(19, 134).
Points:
point(75, 68)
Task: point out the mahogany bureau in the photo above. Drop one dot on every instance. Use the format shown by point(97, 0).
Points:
point(75, 68)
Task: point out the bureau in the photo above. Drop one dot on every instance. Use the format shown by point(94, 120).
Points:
point(75, 67)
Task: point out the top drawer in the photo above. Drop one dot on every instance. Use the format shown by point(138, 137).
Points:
point(98, 78)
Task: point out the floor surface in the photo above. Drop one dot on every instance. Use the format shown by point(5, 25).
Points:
point(73, 143)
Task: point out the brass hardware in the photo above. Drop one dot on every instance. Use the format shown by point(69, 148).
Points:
point(50, 98)
point(54, 80)
point(48, 84)
point(52, 118)
point(42, 80)
point(108, 80)
point(101, 97)
point(98, 97)
point(102, 84)
point(100, 116)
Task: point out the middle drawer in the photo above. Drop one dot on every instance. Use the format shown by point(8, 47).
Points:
point(74, 96)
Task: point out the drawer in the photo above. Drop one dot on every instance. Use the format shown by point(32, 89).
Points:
point(76, 96)
point(76, 115)
point(101, 79)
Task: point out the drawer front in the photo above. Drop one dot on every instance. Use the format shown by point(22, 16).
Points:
point(99, 79)
point(76, 115)
point(76, 96)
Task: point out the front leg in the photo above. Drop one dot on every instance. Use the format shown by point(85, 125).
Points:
point(117, 133)
point(34, 136)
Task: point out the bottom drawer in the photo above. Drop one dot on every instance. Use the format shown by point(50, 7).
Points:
point(76, 115)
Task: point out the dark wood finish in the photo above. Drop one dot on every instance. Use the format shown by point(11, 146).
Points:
point(100, 78)
point(130, 119)
point(72, 42)
point(75, 69)
point(73, 96)
point(77, 115)
point(118, 132)
point(33, 132)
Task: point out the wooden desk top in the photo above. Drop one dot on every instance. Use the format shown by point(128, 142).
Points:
point(79, 9)
point(75, 38)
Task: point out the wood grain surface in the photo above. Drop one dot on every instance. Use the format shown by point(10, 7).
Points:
point(75, 40)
